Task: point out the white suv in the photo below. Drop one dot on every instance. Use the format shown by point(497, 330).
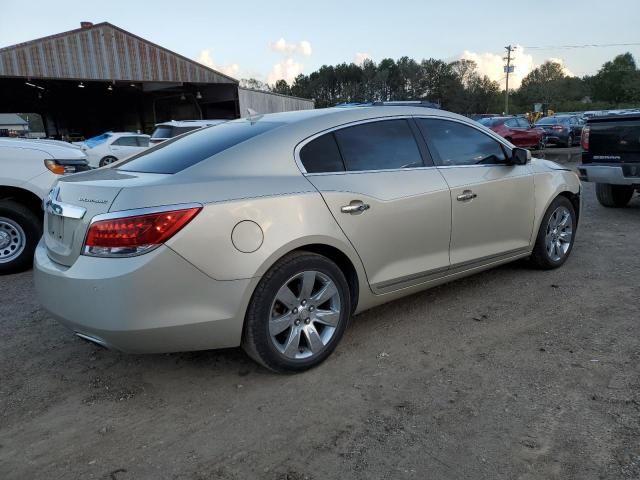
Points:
point(28, 168)
point(166, 130)
point(113, 146)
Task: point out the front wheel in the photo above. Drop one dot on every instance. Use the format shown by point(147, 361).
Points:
point(20, 231)
point(613, 196)
point(297, 314)
point(556, 235)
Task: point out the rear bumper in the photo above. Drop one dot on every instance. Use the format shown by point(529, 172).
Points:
point(612, 175)
point(154, 303)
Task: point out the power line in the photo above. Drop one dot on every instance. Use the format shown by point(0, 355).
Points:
point(592, 45)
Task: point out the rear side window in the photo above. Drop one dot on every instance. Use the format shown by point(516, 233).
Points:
point(322, 155)
point(126, 142)
point(383, 145)
point(176, 154)
point(458, 144)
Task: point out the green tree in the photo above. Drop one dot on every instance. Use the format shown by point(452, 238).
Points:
point(617, 81)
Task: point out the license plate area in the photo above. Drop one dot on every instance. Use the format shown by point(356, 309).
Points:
point(56, 227)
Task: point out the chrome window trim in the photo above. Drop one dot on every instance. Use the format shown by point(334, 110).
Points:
point(302, 143)
point(470, 123)
point(143, 211)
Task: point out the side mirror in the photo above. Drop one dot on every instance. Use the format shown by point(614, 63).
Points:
point(520, 156)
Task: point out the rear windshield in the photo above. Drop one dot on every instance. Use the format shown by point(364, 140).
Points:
point(95, 141)
point(169, 131)
point(179, 153)
point(163, 131)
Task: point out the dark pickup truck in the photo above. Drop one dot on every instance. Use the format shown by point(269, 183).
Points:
point(611, 157)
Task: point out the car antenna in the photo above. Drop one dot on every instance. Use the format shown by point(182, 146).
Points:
point(253, 116)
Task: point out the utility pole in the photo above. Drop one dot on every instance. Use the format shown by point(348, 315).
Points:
point(508, 69)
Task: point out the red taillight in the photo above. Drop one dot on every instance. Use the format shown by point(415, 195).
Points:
point(558, 127)
point(133, 235)
point(584, 139)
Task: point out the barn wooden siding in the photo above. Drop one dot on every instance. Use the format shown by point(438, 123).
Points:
point(267, 102)
point(102, 52)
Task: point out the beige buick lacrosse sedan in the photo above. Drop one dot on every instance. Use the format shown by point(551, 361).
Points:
point(271, 232)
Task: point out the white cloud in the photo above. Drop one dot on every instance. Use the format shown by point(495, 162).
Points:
point(492, 65)
point(230, 69)
point(286, 48)
point(287, 69)
point(360, 57)
point(565, 69)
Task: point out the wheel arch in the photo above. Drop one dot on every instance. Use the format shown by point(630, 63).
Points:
point(353, 272)
point(23, 196)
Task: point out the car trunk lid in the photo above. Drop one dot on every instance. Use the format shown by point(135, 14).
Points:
point(75, 200)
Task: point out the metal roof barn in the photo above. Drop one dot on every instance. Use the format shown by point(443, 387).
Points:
point(100, 77)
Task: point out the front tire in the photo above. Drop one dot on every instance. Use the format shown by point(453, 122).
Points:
point(20, 231)
point(298, 313)
point(556, 235)
point(613, 196)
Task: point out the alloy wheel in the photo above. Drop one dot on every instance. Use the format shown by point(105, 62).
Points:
point(12, 240)
point(304, 315)
point(559, 233)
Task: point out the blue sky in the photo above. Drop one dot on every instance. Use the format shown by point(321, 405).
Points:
point(244, 38)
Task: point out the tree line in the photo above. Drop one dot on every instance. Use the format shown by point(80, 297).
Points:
point(459, 87)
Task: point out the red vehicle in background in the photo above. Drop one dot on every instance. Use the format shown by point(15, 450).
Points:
point(517, 130)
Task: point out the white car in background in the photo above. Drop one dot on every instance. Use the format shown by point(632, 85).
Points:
point(28, 168)
point(113, 146)
point(166, 130)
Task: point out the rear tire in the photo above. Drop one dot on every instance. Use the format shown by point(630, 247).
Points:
point(613, 196)
point(107, 160)
point(556, 235)
point(20, 232)
point(300, 331)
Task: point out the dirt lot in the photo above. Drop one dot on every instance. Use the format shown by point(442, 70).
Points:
point(511, 374)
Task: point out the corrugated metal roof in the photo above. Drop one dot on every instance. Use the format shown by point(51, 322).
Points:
point(12, 119)
point(102, 52)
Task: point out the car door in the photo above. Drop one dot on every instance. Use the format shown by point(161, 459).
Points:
point(492, 209)
point(123, 147)
point(531, 136)
point(515, 132)
point(385, 193)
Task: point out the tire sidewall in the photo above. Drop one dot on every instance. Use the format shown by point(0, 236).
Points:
point(259, 311)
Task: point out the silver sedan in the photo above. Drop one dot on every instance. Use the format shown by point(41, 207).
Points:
point(271, 232)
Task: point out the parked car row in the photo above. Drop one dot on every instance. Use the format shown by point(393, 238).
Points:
point(563, 130)
point(270, 232)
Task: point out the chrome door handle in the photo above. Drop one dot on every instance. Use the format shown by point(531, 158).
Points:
point(355, 207)
point(466, 195)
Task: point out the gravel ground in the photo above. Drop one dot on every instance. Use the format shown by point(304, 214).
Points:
point(511, 374)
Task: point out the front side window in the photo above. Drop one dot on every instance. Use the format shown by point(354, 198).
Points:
point(523, 123)
point(383, 145)
point(143, 141)
point(512, 123)
point(457, 144)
